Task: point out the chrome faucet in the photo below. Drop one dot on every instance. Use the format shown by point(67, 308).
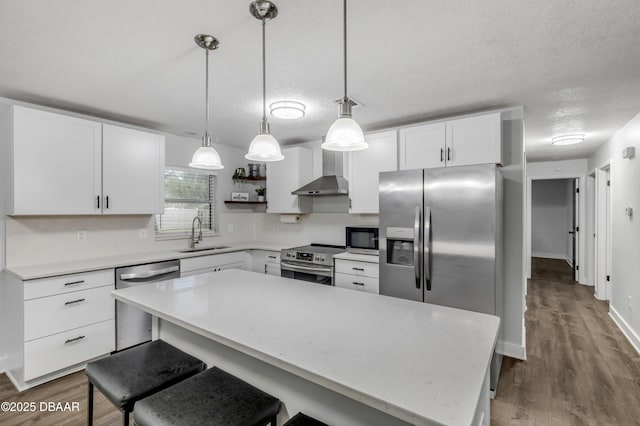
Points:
point(193, 232)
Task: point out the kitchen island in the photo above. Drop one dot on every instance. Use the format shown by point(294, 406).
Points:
point(345, 357)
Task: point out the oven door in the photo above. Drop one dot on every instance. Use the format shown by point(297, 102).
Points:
point(314, 274)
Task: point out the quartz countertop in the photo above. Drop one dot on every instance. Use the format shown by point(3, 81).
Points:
point(358, 257)
point(419, 362)
point(30, 272)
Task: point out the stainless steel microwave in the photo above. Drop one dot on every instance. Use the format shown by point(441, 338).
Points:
point(362, 239)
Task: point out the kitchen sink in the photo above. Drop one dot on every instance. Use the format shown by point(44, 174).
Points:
point(195, 249)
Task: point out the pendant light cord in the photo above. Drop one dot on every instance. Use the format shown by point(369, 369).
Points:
point(344, 18)
point(264, 74)
point(206, 96)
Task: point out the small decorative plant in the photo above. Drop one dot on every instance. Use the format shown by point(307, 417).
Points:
point(261, 191)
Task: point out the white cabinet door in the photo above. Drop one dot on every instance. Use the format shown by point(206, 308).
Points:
point(286, 176)
point(474, 140)
point(422, 147)
point(133, 171)
point(56, 164)
point(364, 167)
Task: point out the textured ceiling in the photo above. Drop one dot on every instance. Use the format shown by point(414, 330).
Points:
point(573, 64)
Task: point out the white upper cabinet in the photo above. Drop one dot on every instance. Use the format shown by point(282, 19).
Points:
point(64, 165)
point(422, 147)
point(474, 140)
point(364, 167)
point(459, 142)
point(56, 164)
point(286, 176)
point(132, 182)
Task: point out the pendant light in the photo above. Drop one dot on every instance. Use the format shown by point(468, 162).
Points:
point(264, 147)
point(206, 157)
point(345, 134)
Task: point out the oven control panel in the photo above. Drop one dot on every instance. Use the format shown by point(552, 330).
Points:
point(308, 257)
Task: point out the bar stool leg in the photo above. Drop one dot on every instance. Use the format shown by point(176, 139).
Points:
point(90, 405)
point(125, 418)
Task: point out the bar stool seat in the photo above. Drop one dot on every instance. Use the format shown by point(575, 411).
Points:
point(301, 419)
point(213, 398)
point(128, 376)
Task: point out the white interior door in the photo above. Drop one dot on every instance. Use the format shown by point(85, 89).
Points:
point(602, 235)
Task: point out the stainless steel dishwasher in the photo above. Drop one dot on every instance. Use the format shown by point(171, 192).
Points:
point(133, 326)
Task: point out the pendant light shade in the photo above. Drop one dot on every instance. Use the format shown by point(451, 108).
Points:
point(345, 134)
point(206, 157)
point(264, 147)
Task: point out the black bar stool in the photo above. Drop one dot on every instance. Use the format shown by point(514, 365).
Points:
point(301, 419)
point(213, 398)
point(128, 376)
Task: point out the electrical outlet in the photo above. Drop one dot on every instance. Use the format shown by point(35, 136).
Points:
point(629, 302)
point(142, 233)
point(230, 227)
point(82, 236)
point(276, 226)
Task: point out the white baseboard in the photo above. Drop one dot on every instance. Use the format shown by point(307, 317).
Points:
point(511, 350)
point(628, 332)
point(569, 261)
point(560, 256)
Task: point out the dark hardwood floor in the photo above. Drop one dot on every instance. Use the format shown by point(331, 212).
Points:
point(580, 369)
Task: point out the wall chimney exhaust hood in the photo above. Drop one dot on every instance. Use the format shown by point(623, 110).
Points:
point(332, 182)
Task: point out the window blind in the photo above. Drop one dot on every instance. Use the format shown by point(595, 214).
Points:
point(187, 195)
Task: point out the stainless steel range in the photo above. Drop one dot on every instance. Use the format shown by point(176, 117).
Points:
point(312, 263)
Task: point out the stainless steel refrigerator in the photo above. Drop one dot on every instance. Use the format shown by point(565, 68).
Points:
point(441, 238)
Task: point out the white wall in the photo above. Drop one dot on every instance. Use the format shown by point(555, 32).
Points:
point(560, 170)
point(549, 218)
point(625, 178)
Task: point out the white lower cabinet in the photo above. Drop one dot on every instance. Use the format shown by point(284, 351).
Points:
point(357, 275)
point(213, 263)
point(265, 262)
point(58, 324)
point(53, 353)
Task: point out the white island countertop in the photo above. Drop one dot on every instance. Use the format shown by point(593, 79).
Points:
point(422, 363)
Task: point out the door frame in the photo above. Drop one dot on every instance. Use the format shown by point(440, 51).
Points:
point(581, 219)
point(602, 251)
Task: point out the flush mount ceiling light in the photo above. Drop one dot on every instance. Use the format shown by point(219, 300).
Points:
point(206, 157)
point(289, 110)
point(345, 134)
point(568, 139)
point(264, 147)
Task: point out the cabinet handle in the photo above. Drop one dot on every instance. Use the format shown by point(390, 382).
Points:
point(106, 202)
point(358, 269)
point(74, 283)
point(265, 268)
point(448, 154)
point(441, 155)
point(98, 201)
point(73, 302)
point(73, 340)
point(357, 283)
point(271, 257)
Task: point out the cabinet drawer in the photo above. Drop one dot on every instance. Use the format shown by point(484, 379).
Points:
point(54, 314)
point(52, 353)
point(370, 285)
point(67, 283)
point(361, 269)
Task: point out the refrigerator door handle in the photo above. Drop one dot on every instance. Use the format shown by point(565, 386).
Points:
point(427, 247)
point(416, 246)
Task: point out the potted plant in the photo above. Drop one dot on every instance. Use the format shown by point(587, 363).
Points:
point(239, 175)
point(261, 191)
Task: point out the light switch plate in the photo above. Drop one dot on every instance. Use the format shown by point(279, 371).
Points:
point(82, 236)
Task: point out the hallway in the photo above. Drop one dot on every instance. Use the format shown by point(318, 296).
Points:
point(580, 369)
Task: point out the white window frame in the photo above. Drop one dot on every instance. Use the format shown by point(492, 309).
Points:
point(214, 207)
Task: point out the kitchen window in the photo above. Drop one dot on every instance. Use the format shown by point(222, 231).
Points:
point(187, 194)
